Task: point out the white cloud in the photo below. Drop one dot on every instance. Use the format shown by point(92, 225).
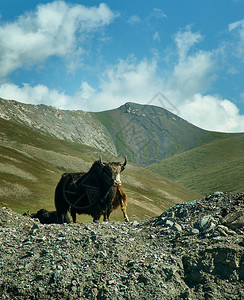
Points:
point(129, 80)
point(158, 13)
point(50, 30)
point(138, 81)
point(192, 75)
point(86, 91)
point(205, 111)
point(156, 36)
point(238, 45)
point(242, 97)
point(38, 94)
point(235, 25)
point(213, 113)
point(134, 19)
point(185, 41)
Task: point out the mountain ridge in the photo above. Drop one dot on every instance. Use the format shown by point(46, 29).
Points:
point(149, 134)
point(145, 133)
point(76, 126)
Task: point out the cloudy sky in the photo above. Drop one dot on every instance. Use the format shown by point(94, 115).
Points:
point(187, 56)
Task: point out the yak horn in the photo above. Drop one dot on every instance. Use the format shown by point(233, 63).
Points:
point(100, 160)
point(124, 164)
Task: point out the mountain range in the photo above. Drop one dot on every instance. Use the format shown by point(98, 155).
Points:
point(146, 134)
point(170, 160)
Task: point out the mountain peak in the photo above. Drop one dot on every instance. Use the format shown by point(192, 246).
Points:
point(145, 133)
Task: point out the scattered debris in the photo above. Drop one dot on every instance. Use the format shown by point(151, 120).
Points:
point(192, 251)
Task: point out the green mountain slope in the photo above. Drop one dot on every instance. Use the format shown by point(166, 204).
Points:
point(148, 134)
point(218, 165)
point(31, 165)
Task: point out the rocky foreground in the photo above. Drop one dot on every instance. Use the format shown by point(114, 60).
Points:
point(192, 251)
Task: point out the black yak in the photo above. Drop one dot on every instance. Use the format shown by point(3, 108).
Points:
point(45, 216)
point(86, 193)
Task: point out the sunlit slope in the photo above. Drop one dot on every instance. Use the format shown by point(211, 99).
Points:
point(149, 134)
point(31, 165)
point(218, 165)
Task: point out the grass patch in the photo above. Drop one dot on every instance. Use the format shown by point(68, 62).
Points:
point(218, 165)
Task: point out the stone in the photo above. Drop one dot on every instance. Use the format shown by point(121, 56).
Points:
point(191, 255)
point(222, 231)
point(181, 212)
point(177, 227)
point(206, 224)
point(161, 221)
point(169, 223)
point(194, 231)
point(225, 231)
point(234, 220)
point(142, 278)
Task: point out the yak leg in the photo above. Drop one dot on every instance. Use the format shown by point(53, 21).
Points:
point(123, 201)
point(105, 217)
point(66, 218)
point(96, 217)
point(123, 208)
point(73, 214)
point(107, 213)
point(62, 218)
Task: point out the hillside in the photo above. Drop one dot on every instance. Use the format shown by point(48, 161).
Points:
point(218, 165)
point(148, 134)
point(145, 133)
point(76, 126)
point(31, 165)
point(200, 160)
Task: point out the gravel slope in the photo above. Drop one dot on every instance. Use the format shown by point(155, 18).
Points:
point(192, 251)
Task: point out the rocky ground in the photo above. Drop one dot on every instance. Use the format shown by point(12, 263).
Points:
point(192, 251)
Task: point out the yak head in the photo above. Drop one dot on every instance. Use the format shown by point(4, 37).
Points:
point(116, 169)
point(109, 171)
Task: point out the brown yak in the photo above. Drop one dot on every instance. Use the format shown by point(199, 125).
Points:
point(119, 198)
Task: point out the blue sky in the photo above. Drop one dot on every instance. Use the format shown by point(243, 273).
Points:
point(96, 56)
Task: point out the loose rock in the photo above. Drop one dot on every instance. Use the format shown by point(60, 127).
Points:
point(192, 251)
